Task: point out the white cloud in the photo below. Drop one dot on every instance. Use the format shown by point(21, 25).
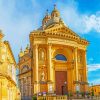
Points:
point(17, 25)
point(93, 73)
point(95, 82)
point(92, 23)
point(81, 23)
point(93, 67)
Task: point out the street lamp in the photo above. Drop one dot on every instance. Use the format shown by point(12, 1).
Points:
point(92, 93)
point(63, 87)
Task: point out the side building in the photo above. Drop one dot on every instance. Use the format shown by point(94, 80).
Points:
point(8, 86)
point(25, 73)
point(94, 90)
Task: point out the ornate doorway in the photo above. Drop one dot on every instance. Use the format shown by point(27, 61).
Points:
point(61, 78)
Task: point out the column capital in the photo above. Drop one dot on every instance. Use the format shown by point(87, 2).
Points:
point(49, 44)
point(36, 45)
point(75, 48)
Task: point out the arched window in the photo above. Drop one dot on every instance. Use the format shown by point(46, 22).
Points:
point(60, 57)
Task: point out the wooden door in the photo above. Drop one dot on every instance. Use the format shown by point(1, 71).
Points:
point(61, 78)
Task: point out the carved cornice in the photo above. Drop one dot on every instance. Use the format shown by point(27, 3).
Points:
point(59, 32)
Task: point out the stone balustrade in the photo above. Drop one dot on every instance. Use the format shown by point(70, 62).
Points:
point(60, 97)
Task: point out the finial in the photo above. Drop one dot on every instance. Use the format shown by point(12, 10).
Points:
point(0, 31)
point(21, 49)
point(47, 12)
point(27, 46)
point(54, 6)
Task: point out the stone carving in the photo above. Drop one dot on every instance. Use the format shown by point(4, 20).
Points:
point(41, 54)
point(42, 76)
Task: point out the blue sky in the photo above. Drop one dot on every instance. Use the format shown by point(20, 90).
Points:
point(19, 17)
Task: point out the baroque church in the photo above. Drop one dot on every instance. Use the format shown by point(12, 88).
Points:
point(55, 61)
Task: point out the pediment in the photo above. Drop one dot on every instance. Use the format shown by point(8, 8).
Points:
point(61, 29)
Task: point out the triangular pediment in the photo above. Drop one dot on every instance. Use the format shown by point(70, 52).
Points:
point(62, 29)
point(54, 27)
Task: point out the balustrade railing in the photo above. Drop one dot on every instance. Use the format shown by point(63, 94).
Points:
point(57, 97)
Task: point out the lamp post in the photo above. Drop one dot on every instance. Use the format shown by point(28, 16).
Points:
point(92, 92)
point(62, 87)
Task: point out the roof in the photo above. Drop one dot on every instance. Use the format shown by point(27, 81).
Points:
point(55, 27)
point(8, 45)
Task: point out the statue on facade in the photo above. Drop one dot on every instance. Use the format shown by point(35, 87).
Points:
point(42, 76)
point(42, 55)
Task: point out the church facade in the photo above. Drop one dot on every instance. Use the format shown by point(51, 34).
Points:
point(55, 62)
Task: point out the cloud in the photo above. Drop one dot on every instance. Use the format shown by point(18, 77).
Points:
point(16, 23)
point(95, 82)
point(93, 67)
point(92, 22)
point(81, 23)
point(94, 73)
point(19, 18)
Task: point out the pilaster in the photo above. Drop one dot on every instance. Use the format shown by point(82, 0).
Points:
point(76, 64)
point(77, 86)
point(85, 72)
point(49, 62)
point(35, 69)
point(50, 69)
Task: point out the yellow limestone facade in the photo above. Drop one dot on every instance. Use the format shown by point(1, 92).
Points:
point(55, 60)
point(8, 87)
point(94, 90)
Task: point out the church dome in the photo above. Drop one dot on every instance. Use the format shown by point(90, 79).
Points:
point(55, 12)
point(46, 18)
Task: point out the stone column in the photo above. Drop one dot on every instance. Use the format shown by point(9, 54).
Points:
point(77, 87)
point(50, 70)
point(49, 63)
point(76, 64)
point(85, 67)
point(85, 72)
point(35, 69)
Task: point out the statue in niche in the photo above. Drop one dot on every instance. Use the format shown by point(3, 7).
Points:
point(43, 76)
point(41, 56)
